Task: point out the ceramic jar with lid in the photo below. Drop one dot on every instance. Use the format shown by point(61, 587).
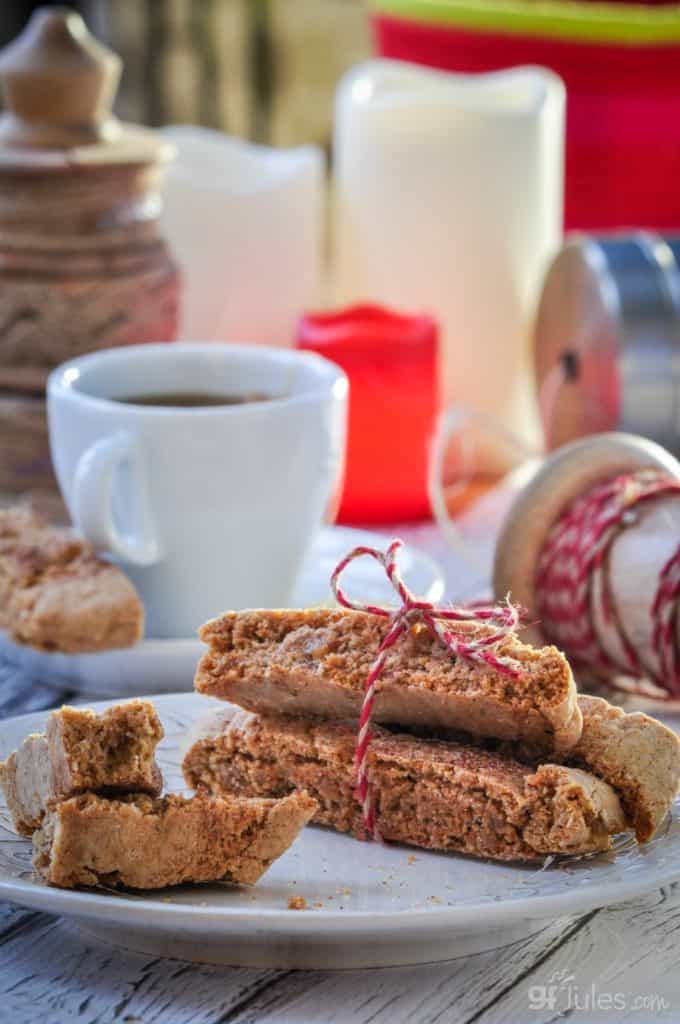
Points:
point(82, 263)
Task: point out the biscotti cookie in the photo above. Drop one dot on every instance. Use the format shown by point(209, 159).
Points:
point(428, 793)
point(316, 662)
point(149, 843)
point(56, 594)
point(113, 752)
point(20, 524)
point(635, 754)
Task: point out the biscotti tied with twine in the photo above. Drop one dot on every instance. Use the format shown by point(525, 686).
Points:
point(428, 793)
point(315, 662)
point(303, 674)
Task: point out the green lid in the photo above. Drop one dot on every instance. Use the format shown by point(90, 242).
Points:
point(631, 24)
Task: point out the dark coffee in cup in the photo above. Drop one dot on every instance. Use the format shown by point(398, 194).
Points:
point(192, 399)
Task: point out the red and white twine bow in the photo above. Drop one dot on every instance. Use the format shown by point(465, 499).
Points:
point(570, 579)
point(481, 647)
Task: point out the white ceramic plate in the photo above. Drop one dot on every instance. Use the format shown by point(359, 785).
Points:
point(161, 666)
point(369, 905)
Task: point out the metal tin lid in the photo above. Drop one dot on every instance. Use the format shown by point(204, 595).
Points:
point(611, 306)
point(58, 84)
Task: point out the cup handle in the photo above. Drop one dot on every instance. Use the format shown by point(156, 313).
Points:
point(94, 486)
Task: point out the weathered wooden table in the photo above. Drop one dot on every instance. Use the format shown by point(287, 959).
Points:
point(621, 963)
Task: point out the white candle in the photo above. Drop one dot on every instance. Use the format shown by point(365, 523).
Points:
point(449, 196)
point(245, 224)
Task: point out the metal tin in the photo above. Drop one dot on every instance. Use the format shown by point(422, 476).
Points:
point(610, 312)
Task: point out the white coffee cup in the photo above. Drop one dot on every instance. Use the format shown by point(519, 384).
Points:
point(206, 507)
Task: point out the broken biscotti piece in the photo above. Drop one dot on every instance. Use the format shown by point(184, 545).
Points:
point(112, 752)
point(428, 793)
point(316, 662)
point(636, 755)
point(149, 843)
point(56, 594)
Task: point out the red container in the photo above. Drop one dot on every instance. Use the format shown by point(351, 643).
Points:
point(394, 400)
point(623, 111)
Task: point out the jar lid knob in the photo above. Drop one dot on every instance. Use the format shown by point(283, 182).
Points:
point(58, 84)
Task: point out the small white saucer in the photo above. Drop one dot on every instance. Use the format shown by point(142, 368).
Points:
point(162, 666)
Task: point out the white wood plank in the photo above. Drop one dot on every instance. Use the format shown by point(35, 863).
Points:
point(630, 951)
point(451, 993)
point(50, 972)
point(49, 964)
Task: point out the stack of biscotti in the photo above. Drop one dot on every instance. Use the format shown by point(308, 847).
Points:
point(528, 768)
point(57, 594)
point(88, 791)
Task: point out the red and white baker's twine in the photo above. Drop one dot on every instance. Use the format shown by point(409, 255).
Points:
point(571, 576)
point(482, 647)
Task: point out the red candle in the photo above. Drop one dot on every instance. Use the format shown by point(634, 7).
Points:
point(391, 360)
